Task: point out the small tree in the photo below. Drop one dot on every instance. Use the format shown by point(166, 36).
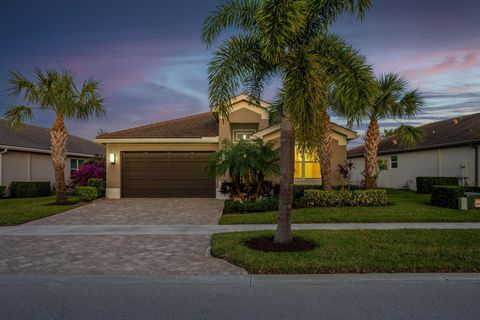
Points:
point(57, 92)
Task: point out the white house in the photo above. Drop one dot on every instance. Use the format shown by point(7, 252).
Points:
point(450, 149)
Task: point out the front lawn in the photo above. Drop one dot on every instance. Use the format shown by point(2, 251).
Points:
point(16, 211)
point(358, 251)
point(405, 206)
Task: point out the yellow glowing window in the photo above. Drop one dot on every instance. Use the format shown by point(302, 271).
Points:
point(306, 166)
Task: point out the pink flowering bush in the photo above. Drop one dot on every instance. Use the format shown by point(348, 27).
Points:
point(94, 168)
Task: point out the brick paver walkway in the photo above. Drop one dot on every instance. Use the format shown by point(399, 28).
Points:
point(141, 212)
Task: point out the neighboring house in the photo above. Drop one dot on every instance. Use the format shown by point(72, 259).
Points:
point(168, 159)
point(25, 154)
point(450, 149)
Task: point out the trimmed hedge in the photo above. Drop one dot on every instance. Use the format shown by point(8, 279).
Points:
point(2, 191)
point(87, 194)
point(261, 205)
point(447, 196)
point(29, 189)
point(357, 198)
point(99, 184)
point(425, 184)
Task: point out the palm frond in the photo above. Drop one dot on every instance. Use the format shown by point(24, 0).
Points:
point(409, 136)
point(18, 115)
point(238, 14)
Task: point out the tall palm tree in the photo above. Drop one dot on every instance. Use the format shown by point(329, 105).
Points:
point(287, 39)
point(54, 91)
point(393, 100)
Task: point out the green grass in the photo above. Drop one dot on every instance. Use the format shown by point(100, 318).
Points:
point(359, 251)
point(405, 206)
point(16, 211)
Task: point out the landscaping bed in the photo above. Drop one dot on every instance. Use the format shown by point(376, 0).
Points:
point(16, 211)
point(403, 206)
point(357, 251)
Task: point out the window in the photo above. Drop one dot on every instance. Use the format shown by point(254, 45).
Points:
point(242, 134)
point(306, 166)
point(394, 162)
point(75, 164)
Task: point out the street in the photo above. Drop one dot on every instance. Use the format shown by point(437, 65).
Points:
point(429, 296)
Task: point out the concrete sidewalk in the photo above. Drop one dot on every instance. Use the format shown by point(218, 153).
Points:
point(59, 230)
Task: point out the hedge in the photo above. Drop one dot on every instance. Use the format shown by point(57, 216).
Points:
point(99, 184)
point(425, 184)
point(87, 194)
point(28, 189)
point(261, 205)
point(2, 191)
point(357, 198)
point(447, 196)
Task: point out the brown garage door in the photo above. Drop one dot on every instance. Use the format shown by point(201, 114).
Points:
point(166, 174)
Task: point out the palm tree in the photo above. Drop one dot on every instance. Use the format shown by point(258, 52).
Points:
point(264, 160)
point(393, 100)
point(54, 91)
point(287, 39)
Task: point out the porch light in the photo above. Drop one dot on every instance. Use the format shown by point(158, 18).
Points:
point(112, 158)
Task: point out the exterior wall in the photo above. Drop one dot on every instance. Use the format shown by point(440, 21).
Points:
point(114, 171)
point(451, 162)
point(242, 113)
point(28, 166)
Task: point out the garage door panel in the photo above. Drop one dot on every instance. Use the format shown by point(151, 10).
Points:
point(166, 174)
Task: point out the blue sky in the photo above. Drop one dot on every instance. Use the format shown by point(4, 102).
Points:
point(152, 65)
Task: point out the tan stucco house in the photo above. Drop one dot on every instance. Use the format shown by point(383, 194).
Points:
point(168, 159)
point(25, 154)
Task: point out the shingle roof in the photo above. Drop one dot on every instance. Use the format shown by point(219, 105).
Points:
point(196, 126)
point(30, 136)
point(456, 131)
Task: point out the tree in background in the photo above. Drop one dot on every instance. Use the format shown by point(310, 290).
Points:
point(289, 40)
point(55, 91)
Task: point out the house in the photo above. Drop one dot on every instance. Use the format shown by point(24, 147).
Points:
point(168, 159)
point(450, 149)
point(25, 154)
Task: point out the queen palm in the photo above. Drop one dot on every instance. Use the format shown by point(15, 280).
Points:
point(54, 91)
point(393, 100)
point(287, 40)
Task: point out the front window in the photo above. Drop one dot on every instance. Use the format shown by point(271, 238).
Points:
point(306, 166)
point(394, 162)
point(75, 164)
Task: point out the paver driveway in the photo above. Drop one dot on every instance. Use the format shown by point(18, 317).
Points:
point(141, 212)
point(119, 254)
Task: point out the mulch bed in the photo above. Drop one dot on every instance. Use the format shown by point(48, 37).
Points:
point(266, 244)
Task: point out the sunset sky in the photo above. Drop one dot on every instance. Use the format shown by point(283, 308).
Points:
point(152, 65)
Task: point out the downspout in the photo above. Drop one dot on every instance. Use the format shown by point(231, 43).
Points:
point(1, 165)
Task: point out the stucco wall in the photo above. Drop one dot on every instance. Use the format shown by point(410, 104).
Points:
point(439, 162)
point(28, 166)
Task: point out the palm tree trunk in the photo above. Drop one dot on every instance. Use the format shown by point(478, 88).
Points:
point(260, 179)
point(58, 140)
point(326, 153)
point(372, 140)
point(287, 161)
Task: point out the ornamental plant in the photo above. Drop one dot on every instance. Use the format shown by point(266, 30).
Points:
point(91, 169)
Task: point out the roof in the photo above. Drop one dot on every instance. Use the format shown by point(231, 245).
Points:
point(350, 134)
point(196, 126)
point(457, 131)
point(34, 137)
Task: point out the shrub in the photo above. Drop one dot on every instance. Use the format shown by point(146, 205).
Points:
point(91, 169)
point(299, 190)
point(260, 205)
point(99, 184)
point(358, 198)
point(269, 189)
point(447, 196)
point(28, 189)
point(87, 194)
point(2, 191)
point(425, 184)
